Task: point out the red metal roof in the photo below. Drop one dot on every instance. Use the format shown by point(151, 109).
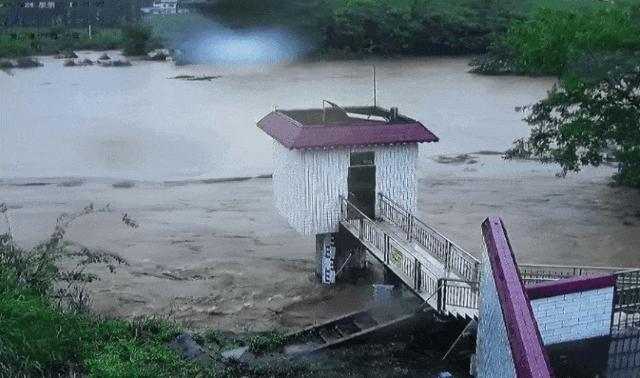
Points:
point(318, 128)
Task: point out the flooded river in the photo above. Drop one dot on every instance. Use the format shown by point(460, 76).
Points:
point(139, 123)
point(218, 254)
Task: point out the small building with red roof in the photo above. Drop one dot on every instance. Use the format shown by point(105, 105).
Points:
point(354, 152)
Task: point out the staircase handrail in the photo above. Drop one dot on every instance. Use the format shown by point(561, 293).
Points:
point(454, 247)
point(421, 263)
point(391, 237)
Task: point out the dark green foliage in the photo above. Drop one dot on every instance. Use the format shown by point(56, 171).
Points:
point(133, 39)
point(548, 43)
point(42, 337)
point(266, 343)
point(587, 121)
point(17, 42)
point(137, 39)
point(411, 27)
point(593, 115)
point(35, 338)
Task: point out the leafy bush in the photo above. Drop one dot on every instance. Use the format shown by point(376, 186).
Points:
point(548, 43)
point(265, 343)
point(587, 121)
point(411, 27)
point(39, 339)
point(137, 39)
point(35, 338)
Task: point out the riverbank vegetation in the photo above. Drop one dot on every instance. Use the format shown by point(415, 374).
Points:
point(592, 115)
point(47, 329)
point(133, 39)
point(553, 42)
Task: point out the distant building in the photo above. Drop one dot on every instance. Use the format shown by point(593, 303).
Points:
point(78, 13)
point(161, 7)
point(171, 6)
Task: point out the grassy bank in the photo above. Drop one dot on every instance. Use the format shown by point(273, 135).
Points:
point(21, 42)
point(47, 329)
point(40, 340)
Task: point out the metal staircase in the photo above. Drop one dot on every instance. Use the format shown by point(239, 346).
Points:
point(438, 271)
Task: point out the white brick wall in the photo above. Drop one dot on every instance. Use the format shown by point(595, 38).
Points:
point(574, 316)
point(494, 357)
point(307, 183)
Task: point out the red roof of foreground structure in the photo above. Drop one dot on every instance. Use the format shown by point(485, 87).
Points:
point(342, 127)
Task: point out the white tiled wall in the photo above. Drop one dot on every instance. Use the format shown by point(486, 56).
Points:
point(574, 316)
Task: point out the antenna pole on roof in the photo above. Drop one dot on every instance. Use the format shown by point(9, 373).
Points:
point(375, 89)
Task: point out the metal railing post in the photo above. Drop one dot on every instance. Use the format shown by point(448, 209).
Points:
point(361, 229)
point(441, 294)
point(417, 277)
point(447, 257)
point(387, 247)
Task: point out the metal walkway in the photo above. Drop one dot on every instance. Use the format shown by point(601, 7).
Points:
point(437, 270)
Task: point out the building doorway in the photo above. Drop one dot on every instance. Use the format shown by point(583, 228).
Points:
point(361, 182)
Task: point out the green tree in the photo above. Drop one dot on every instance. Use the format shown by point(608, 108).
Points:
point(136, 39)
point(587, 122)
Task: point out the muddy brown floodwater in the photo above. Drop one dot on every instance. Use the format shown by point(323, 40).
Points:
point(217, 254)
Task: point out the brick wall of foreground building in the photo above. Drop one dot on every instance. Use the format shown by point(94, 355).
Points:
point(508, 342)
point(492, 346)
point(573, 309)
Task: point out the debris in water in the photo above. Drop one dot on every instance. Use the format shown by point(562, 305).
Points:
point(125, 184)
point(66, 54)
point(158, 56)
point(196, 78)
point(114, 63)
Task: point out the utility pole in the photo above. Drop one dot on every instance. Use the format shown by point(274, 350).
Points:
point(375, 89)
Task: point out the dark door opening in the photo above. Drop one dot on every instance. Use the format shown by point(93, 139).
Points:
point(361, 182)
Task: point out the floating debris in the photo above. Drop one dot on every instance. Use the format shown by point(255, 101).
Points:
point(114, 63)
point(66, 54)
point(6, 65)
point(104, 57)
point(123, 184)
point(20, 63)
point(196, 78)
point(79, 63)
point(457, 159)
point(158, 56)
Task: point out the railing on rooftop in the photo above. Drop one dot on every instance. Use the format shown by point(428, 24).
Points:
point(537, 273)
point(452, 256)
